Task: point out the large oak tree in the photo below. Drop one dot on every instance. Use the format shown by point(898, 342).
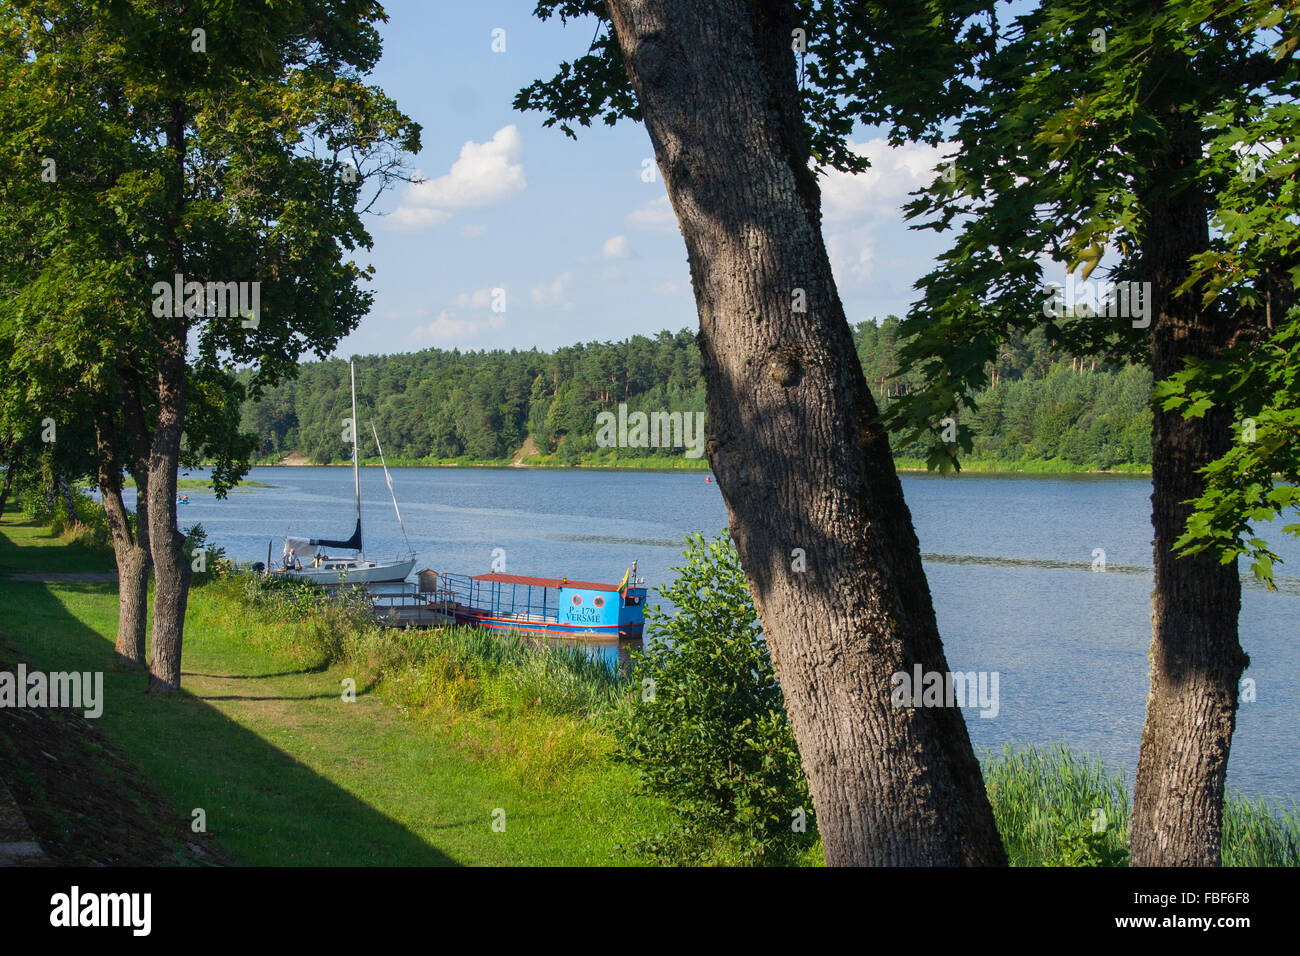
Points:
point(794, 434)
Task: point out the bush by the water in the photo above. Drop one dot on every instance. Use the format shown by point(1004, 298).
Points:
point(86, 526)
point(708, 729)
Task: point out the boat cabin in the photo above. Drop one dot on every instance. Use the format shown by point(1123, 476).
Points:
point(546, 606)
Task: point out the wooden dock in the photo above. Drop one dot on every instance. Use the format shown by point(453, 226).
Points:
point(411, 615)
point(419, 605)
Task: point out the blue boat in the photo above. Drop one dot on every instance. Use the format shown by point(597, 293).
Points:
point(547, 607)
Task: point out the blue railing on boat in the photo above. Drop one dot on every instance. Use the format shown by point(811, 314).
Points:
point(501, 598)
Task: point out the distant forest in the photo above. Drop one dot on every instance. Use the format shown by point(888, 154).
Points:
point(471, 407)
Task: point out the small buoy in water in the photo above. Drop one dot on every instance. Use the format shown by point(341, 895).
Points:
point(708, 478)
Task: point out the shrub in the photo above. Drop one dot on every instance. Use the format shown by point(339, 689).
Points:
point(709, 731)
point(213, 564)
point(1096, 842)
point(87, 526)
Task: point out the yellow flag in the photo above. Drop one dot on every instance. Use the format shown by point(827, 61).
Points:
point(622, 585)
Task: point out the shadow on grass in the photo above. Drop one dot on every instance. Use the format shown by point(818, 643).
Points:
point(316, 669)
point(261, 804)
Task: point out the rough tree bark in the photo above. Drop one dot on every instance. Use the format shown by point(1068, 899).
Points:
point(130, 544)
point(9, 480)
point(1196, 659)
point(166, 543)
point(794, 439)
point(69, 502)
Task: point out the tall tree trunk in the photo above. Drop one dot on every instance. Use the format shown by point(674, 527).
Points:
point(132, 554)
point(171, 566)
point(1196, 660)
point(794, 439)
point(9, 480)
point(166, 543)
point(130, 549)
point(69, 502)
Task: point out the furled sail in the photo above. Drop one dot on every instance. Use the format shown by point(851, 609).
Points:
point(306, 547)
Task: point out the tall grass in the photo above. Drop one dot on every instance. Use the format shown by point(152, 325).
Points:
point(1041, 795)
point(1257, 833)
point(542, 709)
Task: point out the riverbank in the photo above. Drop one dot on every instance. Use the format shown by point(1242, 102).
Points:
point(199, 483)
point(1054, 467)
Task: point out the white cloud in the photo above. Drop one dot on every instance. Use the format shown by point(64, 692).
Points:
point(444, 328)
point(551, 294)
point(447, 329)
point(478, 299)
point(472, 232)
point(852, 254)
point(484, 174)
point(615, 248)
point(415, 217)
point(654, 216)
point(880, 191)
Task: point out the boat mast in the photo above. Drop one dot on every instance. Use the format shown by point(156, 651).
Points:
point(356, 472)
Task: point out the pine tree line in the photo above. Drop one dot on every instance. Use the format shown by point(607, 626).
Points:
point(437, 405)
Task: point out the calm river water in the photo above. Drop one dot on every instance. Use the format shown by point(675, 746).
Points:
point(1009, 561)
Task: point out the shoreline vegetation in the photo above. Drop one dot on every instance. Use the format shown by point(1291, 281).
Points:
point(1042, 412)
point(451, 731)
point(198, 483)
point(903, 465)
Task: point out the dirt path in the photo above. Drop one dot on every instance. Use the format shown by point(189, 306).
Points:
point(526, 450)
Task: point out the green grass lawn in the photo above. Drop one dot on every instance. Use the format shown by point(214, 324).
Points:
point(284, 769)
point(28, 547)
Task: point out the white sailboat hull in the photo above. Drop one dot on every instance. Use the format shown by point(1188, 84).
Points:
point(354, 570)
point(365, 572)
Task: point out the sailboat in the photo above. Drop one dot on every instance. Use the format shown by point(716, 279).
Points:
point(305, 558)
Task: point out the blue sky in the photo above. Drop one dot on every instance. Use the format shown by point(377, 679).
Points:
point(584, 248)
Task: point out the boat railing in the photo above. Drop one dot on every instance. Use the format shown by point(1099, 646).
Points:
point(523, 602)
point(410, 595)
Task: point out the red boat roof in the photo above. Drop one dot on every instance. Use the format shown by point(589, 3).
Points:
point(543, 582)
